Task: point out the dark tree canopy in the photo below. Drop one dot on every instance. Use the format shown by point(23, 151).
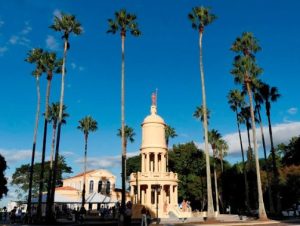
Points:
point(3, 180)
point(189, 162)
point(291, 153)
point(20, 177)
point(133, 164)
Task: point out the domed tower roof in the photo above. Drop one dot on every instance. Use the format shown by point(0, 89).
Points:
point(153, 118)
point(153, 129)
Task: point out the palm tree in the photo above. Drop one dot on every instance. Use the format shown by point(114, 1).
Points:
point(236, 102)
point(271, 94)
point(246, 71)
point(199, 114)
point(169, 133)
point(86, 125)
point(123, 22)
point(53, 115)
point(34, 56)
point(200, 18)
point(66, 24)
point(244, 118)
point(222, 148)
point(129, 135)
point(213, 138)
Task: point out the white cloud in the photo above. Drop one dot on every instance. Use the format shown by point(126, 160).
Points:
point(292, 111)
point(57, 13)
point(282, 133)
point(13, 156)
point(68, 153)
point(51, 43)
point(26, 29)
point(21, 37)
point(3, 49)
point(101, 162)
point(13, 39)
point(75, 66)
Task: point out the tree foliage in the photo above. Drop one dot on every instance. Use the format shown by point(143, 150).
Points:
point(189, 162)
point(20, 177)
point(133, 164)
point(3, 180)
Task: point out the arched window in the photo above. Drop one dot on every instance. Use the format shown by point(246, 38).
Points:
point(91, 186)
point(107, 187)
point(100, 186)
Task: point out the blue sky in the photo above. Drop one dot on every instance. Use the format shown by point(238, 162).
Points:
point(165, 57)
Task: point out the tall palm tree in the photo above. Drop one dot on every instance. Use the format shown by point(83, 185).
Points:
point(66, 24)
point(258, 100)
point(236, 102)
point(50, 65)
point(169, 133)
point(34, 57)
point(200, 18)
point(271, 94)
point(53, 115)
point(123, 22)
point(86, 125)
point(245, 71)
point(213, 138)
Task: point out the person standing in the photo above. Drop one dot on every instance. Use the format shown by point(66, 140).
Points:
point(144, 217)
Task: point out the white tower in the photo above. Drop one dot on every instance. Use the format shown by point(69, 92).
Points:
point(154, 187)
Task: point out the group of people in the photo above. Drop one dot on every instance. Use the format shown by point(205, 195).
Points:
point(13, 216)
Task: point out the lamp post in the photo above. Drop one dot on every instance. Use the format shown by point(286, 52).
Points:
point(157, 188)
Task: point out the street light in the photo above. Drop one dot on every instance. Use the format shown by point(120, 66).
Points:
point(157, 188)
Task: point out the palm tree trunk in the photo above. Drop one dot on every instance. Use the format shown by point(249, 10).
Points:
point(59, 123)
point(49, 193)
point(221, 159)
point(216, 189)
point(210, 204)
point(37, 115)
point(244, 165)
point(123, 122)
point(44, 145)
point(275, 170)
point(261, 207)
point(84, 173)
point(41, 187)
point(271, 206)
point(43, 154)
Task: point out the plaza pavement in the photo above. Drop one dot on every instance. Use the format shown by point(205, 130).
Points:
point(224, 220)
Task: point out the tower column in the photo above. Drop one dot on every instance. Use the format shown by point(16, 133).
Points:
point(147, 162)
point(156, 162)
point(175, 194)
point(143, 197)
point(143, 162)
point(148, 193)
